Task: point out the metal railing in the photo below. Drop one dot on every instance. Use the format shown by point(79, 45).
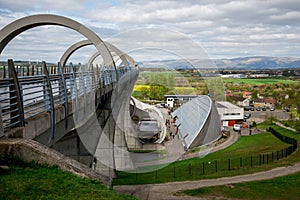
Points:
point(26, 91)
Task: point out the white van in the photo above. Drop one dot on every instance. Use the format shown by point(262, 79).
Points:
point(237, 127)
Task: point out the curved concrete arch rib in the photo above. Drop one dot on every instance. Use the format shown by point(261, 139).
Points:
point(95, 55)
point(17, 27)
point(124, 57)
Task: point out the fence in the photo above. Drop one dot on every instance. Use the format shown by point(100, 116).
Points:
point(196, 170)
point(29, 90)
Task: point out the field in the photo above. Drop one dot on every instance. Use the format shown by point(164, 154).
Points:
point(239, 155)
point(286, 187)
point(175, 90)
point(255, 81)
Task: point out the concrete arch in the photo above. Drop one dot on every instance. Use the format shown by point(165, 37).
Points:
point(124, 57)
point(17, 27)
point(95, 55)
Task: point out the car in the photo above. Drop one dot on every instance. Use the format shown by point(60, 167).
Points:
point(272, 109)
point(225, 131)
point(264, 109)
point(245, 126)
point(258, 108)
point(247, 116)
point(237, 127)
point(252, 108)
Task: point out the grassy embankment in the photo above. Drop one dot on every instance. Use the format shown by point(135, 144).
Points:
point(286, 187)
point(191, 169)
point(24, 180)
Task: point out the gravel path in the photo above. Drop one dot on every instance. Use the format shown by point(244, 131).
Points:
point(166, 190)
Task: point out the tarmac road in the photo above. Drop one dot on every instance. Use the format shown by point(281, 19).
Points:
point(260, 116)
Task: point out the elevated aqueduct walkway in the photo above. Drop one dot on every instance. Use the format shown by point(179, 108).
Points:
point(78, 110)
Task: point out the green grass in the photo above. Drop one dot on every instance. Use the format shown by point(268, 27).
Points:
point(240, 161)
point(286, 187)
point(33, 181)
point(255, 81)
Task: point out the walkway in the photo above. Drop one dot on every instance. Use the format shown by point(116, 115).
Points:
point(166, 190)
point(234, 136)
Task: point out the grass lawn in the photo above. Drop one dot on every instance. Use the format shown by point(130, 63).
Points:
point(255, 81)
point(248, 151)
point(33, 181)
point(286, 187)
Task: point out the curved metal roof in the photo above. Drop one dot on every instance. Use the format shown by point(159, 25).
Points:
point(191, 119)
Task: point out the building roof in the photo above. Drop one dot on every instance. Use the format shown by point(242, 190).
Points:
point(258, 100)
point(225, 104)
point(191, 118)
point(269, 100)
point(180, 96)
point(237, 98)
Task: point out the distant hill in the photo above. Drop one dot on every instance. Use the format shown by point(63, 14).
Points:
point(249, 63)
point(255, 62)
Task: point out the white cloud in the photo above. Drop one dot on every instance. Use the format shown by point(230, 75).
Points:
point(225, 28)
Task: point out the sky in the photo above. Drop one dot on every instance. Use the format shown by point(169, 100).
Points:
point(159, 30)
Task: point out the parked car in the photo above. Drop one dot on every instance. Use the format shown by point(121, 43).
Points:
point(264, 109)
point(247, 116)
point(237, 127)
point(225, 131)
point(258, 108)
point(252, 108)
point(245, 126)
point(272, 109)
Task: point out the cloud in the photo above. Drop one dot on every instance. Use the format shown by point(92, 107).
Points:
point(224, 28)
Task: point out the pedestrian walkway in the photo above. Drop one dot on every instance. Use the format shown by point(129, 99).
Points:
point(167, 190)
point(234, 136)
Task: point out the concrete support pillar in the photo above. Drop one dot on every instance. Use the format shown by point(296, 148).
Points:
point(104, 155)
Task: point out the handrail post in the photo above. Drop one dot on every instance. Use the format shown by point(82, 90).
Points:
point(1, 123)
point(82, 89)
point(73, 86)
point(19, 100)
point(63, 92)
point(50, 100)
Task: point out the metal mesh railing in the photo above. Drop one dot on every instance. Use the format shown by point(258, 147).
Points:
point(29, 90)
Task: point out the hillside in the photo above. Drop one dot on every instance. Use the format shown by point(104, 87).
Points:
point(255, 62)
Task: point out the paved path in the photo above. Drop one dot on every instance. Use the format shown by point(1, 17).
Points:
point(234, 136)
point(166, 190)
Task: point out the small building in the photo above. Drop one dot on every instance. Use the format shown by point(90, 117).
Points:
point(177, 100)
point(258, 102)
point(233, 76)
point(247, 95)
point(230, 114)
point(170, 102)
point(240, 101)
point(269, 102)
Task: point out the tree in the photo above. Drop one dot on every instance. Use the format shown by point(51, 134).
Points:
point(254, 94)
point(157, 92)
